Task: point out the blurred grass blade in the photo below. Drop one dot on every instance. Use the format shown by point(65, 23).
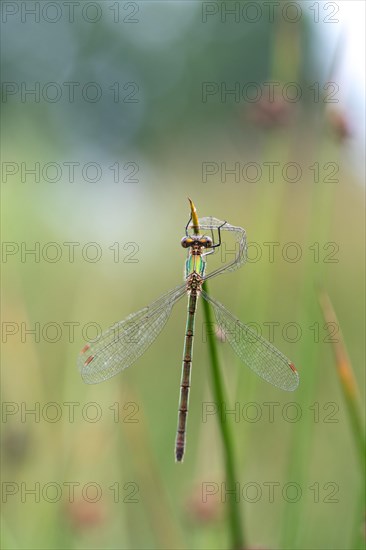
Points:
point(346, 376)
point(351, 396)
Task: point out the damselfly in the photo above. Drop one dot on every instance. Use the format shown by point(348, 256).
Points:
point(122, 344)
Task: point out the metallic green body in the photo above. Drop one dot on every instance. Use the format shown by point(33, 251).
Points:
point(195, 264)
point(194, 271)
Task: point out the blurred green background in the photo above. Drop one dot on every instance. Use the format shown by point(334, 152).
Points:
point(117, 132)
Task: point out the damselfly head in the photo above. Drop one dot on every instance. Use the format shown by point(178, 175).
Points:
point(196, 240)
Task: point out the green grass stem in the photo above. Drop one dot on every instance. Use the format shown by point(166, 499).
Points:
point(235, 520)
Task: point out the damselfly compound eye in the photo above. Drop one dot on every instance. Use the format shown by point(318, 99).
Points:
point(186, 242)
point(206, 242)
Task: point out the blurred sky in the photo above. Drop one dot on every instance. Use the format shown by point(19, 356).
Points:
point(350, 71)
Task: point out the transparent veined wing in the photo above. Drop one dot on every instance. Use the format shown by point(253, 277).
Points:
point(258, 354)
point(209, 224)
point(123, 343)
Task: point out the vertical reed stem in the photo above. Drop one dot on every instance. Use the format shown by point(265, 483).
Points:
point(235, 521)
